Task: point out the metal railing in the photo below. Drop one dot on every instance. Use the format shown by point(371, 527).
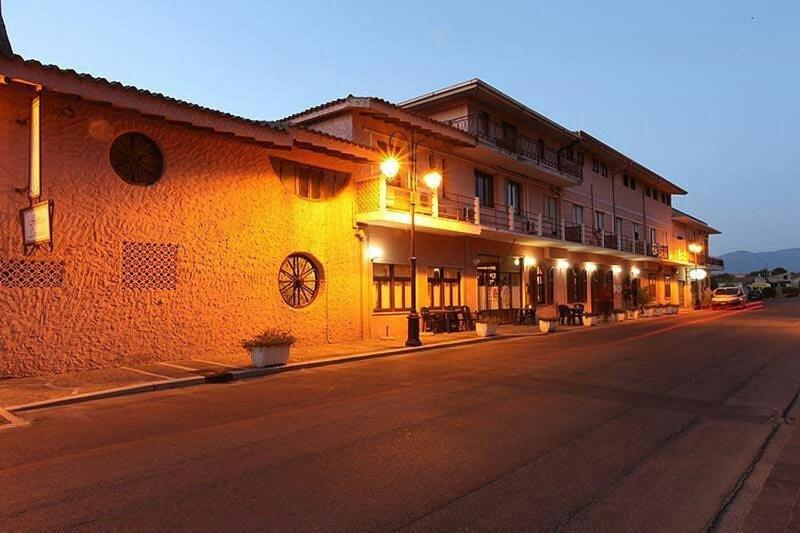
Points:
point(457, 207)
point(715, 262)
point(508, 139)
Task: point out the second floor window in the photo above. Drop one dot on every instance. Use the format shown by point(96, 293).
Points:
point(600, 221)
point(603, 169)
point(306, 181)
point(618, 226)
point(577, 214)
point(513, 196)
point(653, 236)
point(484, 189)
point(595, 165)
point(636, 232)
point(550, 207)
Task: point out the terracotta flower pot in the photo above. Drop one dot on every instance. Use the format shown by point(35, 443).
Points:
point(547, 326)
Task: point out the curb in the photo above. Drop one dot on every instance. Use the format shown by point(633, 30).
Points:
point(245, 373)
point(248, 373)
point(109, 393)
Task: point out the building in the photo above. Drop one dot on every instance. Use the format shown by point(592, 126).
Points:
point(136, 227)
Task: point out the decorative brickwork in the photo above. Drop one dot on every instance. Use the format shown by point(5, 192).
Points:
point(368, 195)
point(149, 266)
point(26, 274)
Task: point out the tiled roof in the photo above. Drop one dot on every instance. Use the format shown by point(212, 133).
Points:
point(278, 126)
point(381, 101)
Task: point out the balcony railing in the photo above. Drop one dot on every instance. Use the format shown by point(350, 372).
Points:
point(510, 140)
point(715, 262)
point(499, 217)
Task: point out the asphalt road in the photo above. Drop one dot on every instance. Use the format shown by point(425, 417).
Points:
point(642, 427)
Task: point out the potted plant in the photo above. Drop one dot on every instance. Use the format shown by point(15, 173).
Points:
point(269, 348)
point(590, 318)
point(618, 314)
point(548, 325)
point(487, 326)
point(649, 310)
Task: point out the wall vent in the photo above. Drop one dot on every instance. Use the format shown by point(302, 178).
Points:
point(25, 274)
point(149, 266)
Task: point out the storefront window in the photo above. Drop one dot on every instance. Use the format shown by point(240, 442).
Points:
point(391, 287)
point(444, 287)
point(667, 287)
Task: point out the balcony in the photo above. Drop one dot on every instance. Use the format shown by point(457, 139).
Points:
point(379, 203)
point(511, 141)
point(715, 263)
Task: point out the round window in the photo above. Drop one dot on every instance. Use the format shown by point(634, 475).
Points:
point(298, 280)
point(136, 159)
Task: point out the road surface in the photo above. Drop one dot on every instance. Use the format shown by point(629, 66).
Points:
point(642, 427)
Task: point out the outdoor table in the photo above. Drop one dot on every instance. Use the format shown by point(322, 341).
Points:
point(449, 318)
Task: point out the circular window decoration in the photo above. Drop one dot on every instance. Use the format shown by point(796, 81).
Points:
point(136, 159)
point(298, 280)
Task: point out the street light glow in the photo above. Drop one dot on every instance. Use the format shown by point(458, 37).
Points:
point(695, 248)
point(390, 167)
point(433, 179)
point(374, 252)
point(635, 272)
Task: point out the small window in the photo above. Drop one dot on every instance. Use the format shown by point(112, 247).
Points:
point(625, 181)
point(601, 221)
point(595, 165)
point(312, 183)
point(633, 184)
point(484, 188)
point(647, 191)
point(577, 214)
point(603, 170)
point(391, 287)
point(667, 287)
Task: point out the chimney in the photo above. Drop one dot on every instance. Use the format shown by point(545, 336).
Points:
point(5, 46)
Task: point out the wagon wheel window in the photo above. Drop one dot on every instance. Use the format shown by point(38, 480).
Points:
point(298, 280)
point(136, 159)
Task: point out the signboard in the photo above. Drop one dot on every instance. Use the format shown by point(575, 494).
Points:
point(37, 225)
point(35, 184)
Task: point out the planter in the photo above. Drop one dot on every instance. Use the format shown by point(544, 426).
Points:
point(674, 309)
point(486, 329)
point(649, 312)
point(635, 314)
point(547, 326)
point(262, 356)
point(588, 321)
point(619, 317)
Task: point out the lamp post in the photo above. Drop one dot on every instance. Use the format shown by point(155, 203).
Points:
point(696, 248)
point(390, 167)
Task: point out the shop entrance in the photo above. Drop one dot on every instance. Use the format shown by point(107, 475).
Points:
point(500, 291)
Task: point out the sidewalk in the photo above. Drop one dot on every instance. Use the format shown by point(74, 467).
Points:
point(20, 393)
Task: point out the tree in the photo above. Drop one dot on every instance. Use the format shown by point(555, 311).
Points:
point(779, 270)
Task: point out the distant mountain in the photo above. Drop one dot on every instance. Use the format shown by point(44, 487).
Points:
point(742, 261)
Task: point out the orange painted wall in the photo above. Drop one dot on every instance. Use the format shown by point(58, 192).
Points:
point(218, 200)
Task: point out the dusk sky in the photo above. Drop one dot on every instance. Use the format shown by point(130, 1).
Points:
point(705, 93)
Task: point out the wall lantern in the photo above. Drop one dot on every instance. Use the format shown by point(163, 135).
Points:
point(562, 264)
point(635, 272)
point(525, 261)
point(590, 267)
point(616, 269)
point(374, 252)
point(698, 274)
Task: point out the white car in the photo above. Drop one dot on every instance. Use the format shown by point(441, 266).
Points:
point(728, 297)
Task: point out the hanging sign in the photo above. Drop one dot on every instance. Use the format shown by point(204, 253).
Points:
point(35, 172)
point(37, 226)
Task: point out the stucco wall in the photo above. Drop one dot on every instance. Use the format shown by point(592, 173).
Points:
point(218, 200)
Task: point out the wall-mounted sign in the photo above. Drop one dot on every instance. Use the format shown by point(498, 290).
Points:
point(37, 226)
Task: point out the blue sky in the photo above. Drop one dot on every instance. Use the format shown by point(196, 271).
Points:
point(704, 93)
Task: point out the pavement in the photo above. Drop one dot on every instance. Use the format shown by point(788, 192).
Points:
point(663, 425)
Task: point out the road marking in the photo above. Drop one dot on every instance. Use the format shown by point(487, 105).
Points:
point(145, 372)
point(179, 367)
point(14, 421)
point(213, 363)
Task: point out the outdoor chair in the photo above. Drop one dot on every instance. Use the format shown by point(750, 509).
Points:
point(467, 321)
point(564, 315)
point(431, 322)
point(577, 314)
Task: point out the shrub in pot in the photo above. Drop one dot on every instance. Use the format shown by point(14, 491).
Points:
point(548, 318)
point(590, 318)
point(649, 310)
point(618, 314)
point(269, 348)
point(486, 327)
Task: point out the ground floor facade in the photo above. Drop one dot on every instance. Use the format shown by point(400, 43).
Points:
point(499, 278)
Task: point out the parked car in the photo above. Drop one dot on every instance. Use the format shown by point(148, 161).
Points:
point(734, 296)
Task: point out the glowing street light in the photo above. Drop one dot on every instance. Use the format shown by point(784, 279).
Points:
point(390, 167)
point(374, 252)
point(433, 179)
point(697, 274)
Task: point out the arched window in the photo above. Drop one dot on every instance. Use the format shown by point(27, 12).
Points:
point(580, 289)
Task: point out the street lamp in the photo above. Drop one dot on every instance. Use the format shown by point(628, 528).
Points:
point(390, 168)
point(696, 249)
